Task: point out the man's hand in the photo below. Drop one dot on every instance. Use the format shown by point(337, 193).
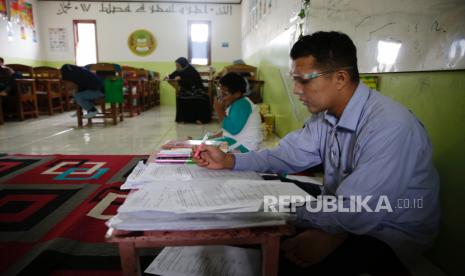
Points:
point(213, 158)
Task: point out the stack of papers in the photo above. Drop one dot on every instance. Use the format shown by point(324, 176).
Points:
point(133, 180)
point(202, 204)
point(175, 155)
point(206, 260)
point(154, 173)
point(173, 197)
point(159, 221)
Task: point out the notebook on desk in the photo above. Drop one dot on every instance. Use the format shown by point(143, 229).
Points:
point(174, 159)
point(171, 144)
point(175, 155)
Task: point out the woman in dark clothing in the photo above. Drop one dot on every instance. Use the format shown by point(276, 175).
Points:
point(192, 103)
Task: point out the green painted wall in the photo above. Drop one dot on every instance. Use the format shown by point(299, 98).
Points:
point(273, 66)
point(167, 96)
point(438, 100)
point(30, 62)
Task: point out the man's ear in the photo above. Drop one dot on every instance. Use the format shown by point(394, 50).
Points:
point(342, 79)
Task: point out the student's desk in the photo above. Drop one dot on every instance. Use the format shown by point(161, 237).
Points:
point(268, 237)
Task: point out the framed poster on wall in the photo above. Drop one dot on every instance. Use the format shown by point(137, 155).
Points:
point(3, 9)
point(58, 39)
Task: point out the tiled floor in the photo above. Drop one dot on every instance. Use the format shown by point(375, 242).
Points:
point(138, 135)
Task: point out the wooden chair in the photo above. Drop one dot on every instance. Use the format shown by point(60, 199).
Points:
point(67, 95)
point(251, 73)
point(26, 97)
point(207, 73)
point(256, 88)
point(145, 93)
point(113, 96)
point(4, 79)
point(242, 69)
point(67, 98)
point(49, 87)
point(154, 87)
point(132, 85)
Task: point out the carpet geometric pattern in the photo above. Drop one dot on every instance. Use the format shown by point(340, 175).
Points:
point(53, 210)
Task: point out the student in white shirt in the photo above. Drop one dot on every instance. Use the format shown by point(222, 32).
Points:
point(239, 117)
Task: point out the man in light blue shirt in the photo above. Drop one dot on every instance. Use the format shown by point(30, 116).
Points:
point(376, 156)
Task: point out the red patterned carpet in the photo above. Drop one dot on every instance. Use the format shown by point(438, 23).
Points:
point(53, 210)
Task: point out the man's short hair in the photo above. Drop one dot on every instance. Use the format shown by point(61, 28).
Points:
point(331, 50)
point(2, 60)
point(234, 83)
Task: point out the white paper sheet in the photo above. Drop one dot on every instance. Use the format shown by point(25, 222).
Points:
point(156, 171)
point(174, 223)
point(206, 261)
point(153, 173)
point(206, 195)
point(132, 181)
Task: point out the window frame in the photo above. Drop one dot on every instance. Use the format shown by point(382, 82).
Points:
point(209, 41)
point(76, 36)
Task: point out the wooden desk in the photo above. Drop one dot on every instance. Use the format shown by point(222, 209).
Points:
point(174, 84)
point(267, 237)
point(210, 90)
point(256, 87)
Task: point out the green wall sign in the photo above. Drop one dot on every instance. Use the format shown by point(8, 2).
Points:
point(142, 42)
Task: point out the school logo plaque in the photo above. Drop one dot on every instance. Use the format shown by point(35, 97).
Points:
point(142, 42)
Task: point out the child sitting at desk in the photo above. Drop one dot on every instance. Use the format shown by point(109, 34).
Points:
point(7, 76)
point(238, 116)
point(87, 85)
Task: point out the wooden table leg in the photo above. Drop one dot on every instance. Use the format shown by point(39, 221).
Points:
point(121, 111)
point(114, 113)
point(79, 115)
point(270, 256)
point(129, 259)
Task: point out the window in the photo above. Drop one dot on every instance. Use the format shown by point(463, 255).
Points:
point(199, 42)
point(85, 42)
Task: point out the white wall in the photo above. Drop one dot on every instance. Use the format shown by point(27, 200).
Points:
point(430, 38)
point(18, 48)
point(169, 28)
point(259, 28)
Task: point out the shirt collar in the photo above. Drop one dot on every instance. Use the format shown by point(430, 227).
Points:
point(353, 110)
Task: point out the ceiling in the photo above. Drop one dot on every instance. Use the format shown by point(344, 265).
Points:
point(165, 1)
